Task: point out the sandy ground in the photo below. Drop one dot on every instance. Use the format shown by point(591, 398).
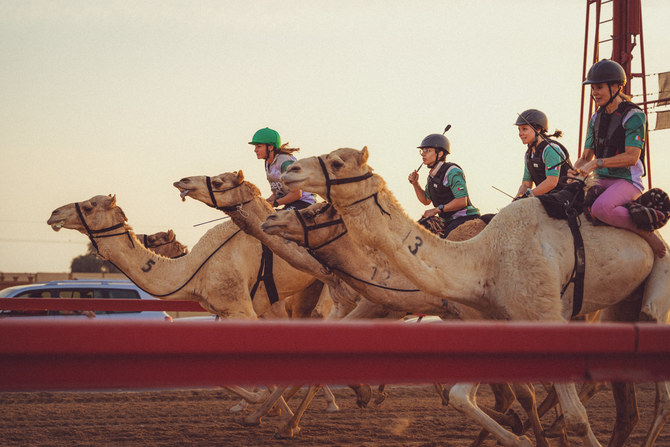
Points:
point(410, 416)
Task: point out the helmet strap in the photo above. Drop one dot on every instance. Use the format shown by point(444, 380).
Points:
point(612, 96)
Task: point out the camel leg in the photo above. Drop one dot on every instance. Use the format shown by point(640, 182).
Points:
point(381, 395)
point(254, 419)
point(292, 428)
point(444, 398)
point(627, 415)
point(331, 405)
point(661, 412)
point(574, 414)
point(504, 398)
point(363, 394)
point(557, 429)
point(247, 396)
point(463, 398)
point(525, 394)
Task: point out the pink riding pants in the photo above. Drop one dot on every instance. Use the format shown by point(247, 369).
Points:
point(608, 206)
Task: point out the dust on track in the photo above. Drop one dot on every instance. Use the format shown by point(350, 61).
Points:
point(412, 416)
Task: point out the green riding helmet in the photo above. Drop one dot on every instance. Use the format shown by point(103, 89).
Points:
point(266, 136)
point(607, 71)
point(535, 118)
point(437, 141)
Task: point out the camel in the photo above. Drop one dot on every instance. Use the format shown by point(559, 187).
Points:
point(515, 267)
point(320, 229)
point(163, 243)
point(242, 201)
point(205, 274)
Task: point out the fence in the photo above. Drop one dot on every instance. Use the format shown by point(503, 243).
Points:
point(56, 355)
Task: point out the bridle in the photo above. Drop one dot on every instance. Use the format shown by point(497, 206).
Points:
point(340, 181)
point(329, 268)
point(307, 228)
point(94, 234)
point(211, 191)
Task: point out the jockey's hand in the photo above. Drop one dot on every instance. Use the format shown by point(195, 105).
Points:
point(413, 178)
point(430, 212)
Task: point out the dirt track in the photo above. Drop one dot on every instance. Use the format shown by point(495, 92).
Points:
point(411, 416)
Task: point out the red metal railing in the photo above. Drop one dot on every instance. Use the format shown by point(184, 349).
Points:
point(106, 304)
point(55, 355)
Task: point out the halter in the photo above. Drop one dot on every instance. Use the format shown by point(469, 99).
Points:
point(307, 228)
point(225, 209)
point(339, 181)
point(93, 234)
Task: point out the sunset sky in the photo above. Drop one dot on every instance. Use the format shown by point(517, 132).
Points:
point(122, 97)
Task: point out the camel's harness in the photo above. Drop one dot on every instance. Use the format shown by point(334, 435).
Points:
point(95, 234)
point(312, 250)
point(265, 271)
point(569, 210)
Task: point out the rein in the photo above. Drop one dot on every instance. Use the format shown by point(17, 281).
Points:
point(92, 234)
point(312, 250)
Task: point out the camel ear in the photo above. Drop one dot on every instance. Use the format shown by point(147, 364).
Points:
point(364, 155)
point(111, 203)
point(240, 177)
point(170, 235)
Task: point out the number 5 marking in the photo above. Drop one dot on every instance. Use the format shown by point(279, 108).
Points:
point(148, 265)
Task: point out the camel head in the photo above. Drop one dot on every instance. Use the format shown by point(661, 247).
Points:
point(223, 190)
point(164, 243)
point(345, 168)
point(321, 224)
point(98, 212)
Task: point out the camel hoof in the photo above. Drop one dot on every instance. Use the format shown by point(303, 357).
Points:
point(332, 408)
point(363, 396)
point(287, 433)
point(381, 398)
point(239, 407)
point(514, 422)
point(274, 412)
point(246, 422)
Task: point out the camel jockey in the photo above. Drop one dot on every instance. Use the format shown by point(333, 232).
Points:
point(614, 149)
point(445, 188)
point(278, 158)
point(546, 159)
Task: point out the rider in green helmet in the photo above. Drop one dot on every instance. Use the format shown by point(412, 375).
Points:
point(268, 147)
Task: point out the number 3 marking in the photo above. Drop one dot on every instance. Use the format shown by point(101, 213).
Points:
point(417, 244)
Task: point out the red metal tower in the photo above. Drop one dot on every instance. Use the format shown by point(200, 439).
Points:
point(625, 17)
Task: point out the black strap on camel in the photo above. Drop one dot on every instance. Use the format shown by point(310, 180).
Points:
point(339, 181)
point(265, 275)
point(567, 204)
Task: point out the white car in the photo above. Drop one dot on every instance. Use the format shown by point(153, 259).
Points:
point(102, 288)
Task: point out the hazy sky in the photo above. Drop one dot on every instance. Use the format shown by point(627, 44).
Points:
point(126, 97)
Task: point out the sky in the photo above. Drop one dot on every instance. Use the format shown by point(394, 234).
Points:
point(127, 97)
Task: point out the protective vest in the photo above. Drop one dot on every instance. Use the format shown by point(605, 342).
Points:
point(440, 194)
point(536, 166)
point(609, 135)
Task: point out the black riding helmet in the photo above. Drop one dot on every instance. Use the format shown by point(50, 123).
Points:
point(535, 118)
point(607, 71)
point(437, 141)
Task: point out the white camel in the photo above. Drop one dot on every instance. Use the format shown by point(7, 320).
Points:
point(515, 267)
point(320, 228)
point(206, 274)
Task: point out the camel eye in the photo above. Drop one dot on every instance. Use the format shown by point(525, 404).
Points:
point(336, 164)
point(217, 184)
point(88, 208)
